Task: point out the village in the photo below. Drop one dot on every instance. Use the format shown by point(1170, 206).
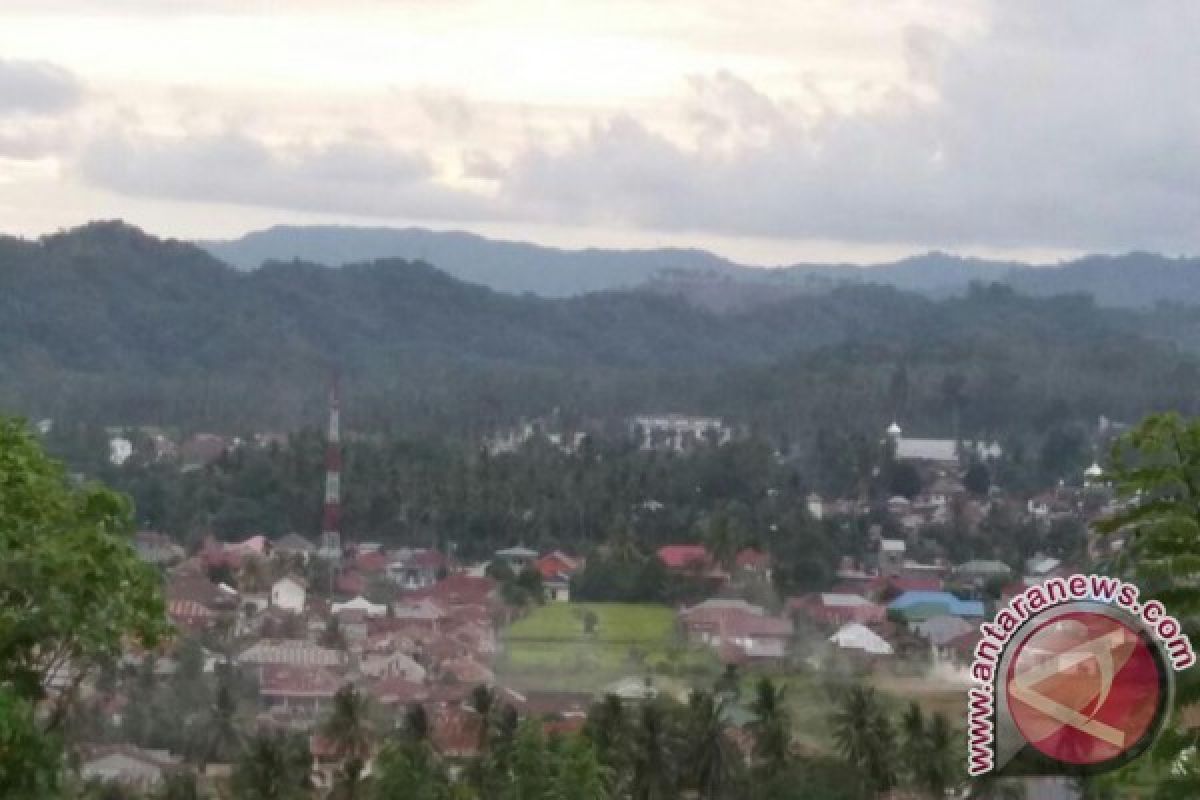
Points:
point(293, 622)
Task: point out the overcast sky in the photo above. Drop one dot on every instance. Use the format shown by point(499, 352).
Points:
point(770, 132)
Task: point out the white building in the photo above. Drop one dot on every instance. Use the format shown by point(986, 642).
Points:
point(119, 450)
point(289, 593)
point(678, 432)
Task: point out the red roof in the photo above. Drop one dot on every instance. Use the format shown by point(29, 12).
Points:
point(683, 556)
point(395, 690)
point(280, 680)
point(351, 582)
point(371, 562)
point(750, 558)
point(556, 564)
point(455, 732)
point(457, 590)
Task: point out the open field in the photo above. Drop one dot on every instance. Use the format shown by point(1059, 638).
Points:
point(550, 648)
point(615, 622)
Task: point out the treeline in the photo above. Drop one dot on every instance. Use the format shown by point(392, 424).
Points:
point(104, 324)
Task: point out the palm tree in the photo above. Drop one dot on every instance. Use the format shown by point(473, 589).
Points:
point(913, 745)
point(864, 737)
point(483, 700)
point(709, 759)
point(941, 767)
point(580, 775)
point(772, 728)
point(416, 723)
point(273, 767)
point(222, 740)
point(606, 729)
point(652, 777)
point(348, 728)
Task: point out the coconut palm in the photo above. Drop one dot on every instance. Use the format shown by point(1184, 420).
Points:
point(864, 737)
point(652, 774)
point(273, 767)
point(607, 730)
point(709, 760)
point(348, 727)
point(772, 726)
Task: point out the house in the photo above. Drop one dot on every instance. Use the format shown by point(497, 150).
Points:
point(424, 614)
point(291, 652)
point(692, 559)
point(359, 604)
point(891, 557)
point(200, 450)
point(754, 562)
point(815, 506)
point(467, 670)
point(191, 615)
point(288, 594)
point(556, 570)
point(943, 629)
point(835, 609)
point(857, 637)
point(132, 767)
point(741, 629)
point(293, 545)
point(977, 572)
point(415, 568)
point(943, 453)
point(458, 589)
point(395, 664)
point(678, 432)
point(306, 688)
point(919, 606)
point(517, 559)
point(156, 548)
point(1042, 566)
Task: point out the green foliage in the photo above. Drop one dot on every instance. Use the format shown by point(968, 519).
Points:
point(772, 727)
point(71, 589)
point(865, 739)
point(273, 767)
point(1156, 471)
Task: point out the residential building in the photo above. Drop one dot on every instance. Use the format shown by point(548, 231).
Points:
point(132, 767)
point(289, 593)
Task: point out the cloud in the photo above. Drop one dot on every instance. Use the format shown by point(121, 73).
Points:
point(37, 87)
point(353, 175)
point(1065, 125)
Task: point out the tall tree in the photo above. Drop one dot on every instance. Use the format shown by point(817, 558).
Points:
point(864, 737)
point(273, 767)
point(772, 726)
point(653, 775)
point(1156, 471)
point(709, 760)
point(71, 590)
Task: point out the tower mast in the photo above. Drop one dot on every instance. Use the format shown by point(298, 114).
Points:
point(331, 518)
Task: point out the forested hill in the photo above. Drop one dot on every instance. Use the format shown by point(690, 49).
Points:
point(109, 324)
point(1133, 280)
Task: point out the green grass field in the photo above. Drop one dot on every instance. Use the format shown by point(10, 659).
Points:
point(550, 649)
point(615, 622)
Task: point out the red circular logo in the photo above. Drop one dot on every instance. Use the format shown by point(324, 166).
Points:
point(1084, 688)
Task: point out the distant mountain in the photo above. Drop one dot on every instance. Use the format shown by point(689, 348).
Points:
point(107, 323)
point(505, 266)
point(1134, 280)
point(1131, 281)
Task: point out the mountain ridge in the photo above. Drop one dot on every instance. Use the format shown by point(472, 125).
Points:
point(1133, 280)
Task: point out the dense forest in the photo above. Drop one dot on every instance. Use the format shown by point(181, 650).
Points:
point(107, 325)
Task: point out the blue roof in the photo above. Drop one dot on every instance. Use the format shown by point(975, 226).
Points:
point(954, 606)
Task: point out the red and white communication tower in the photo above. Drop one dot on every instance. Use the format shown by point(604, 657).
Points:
point(331, 520)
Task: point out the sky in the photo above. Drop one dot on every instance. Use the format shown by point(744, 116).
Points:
point(772, 133)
